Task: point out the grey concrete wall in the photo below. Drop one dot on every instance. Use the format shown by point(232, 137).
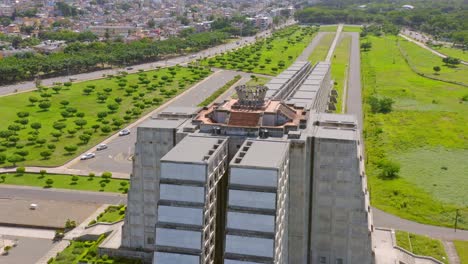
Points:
point(339, 228)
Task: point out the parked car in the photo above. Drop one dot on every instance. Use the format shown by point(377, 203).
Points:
point(130, 68)
point(101, 147)
point(124, 132)
point(88, 156)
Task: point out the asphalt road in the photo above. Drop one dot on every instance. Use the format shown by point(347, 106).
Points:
point(26, 86)
point(116, 158)
point(354, 97)
point(35, 193)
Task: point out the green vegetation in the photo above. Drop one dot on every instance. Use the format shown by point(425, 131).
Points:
point(63, 181)
point(453, 52)
point(51, 125)
point(339, 68)
point(328, 28)
point(112, 214)
point(84, 57)
point(352, 28)
point(424, 130)
point(421, 245)
point(267, 56)
point(258, 80)
point(424, 61)
point(462, 250)
point(321, 50)
point(220, 91)
point(87, 252)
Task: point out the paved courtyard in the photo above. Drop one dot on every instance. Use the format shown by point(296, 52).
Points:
point(28, 250)
point(49, 213)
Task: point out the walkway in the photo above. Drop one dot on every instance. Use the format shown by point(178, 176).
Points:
point(422, 45)
point(334, 43)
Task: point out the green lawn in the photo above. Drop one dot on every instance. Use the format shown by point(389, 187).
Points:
point(140, 94)
point(424, 61)
point(352, 28)
point(61, 181)
point(328, 28)
point(321, 50)
point(421, 245)
point(339, 68)
point(86, 252)
point(425, 133)
point(453, 52)
point(258, 81)
point(270, 56)
point(462, 250)
point(112, 214)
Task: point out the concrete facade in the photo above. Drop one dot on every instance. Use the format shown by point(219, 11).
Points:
point(278, 181)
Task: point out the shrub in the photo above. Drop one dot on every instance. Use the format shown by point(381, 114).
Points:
point(20, 170)
point(389, 169)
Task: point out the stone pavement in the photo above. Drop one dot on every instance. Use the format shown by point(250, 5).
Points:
point(451, 252)
point(59, 247)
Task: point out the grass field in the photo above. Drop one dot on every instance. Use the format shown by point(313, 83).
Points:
point(424, 61)
point(426, 130)
point(350, 28)
point(140, 94)
point(321, 50)
point(60, 181)
point(258, 81)
point(462, 250)
point(112, 214)
point(453, 52)
point(421, 245)
point(270, 56)
point(339, 68)
point(86, 252)
point(328, 28)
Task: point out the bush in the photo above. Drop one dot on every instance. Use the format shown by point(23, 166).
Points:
point(20, 170)
point(389, 169)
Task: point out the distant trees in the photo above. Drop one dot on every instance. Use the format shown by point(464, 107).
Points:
point(451, 61)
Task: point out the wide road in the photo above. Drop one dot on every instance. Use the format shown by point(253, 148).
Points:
point(117, 157)
point(354, 96)
point(26, 86)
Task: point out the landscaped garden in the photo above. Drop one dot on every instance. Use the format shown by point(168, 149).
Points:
point(269, 56)
point(339, 68)
point(415, 134)
point(432, 65)
point(87, 252)
point(321, 50)
point(112, 214)
point(59, 181)
point(51, 125)
point(421, 245)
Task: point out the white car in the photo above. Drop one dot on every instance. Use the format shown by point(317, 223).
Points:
point(101, 147)
point(124, 132)
point(88, 156)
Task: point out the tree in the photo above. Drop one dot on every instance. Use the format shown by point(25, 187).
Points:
point(451, 61)
point(45, 154)
point(87, 90)
point(59, 126)
point(40, 141)
point(436, 69)
point(106, 176)
point(106, 129)
point(56, 135)
point(80, 122)
point(64, 103)
point(22, 114)
point(57, 89)
point(101, 115)
point(15, 158)
point(386, 105)
point(85, 138)
point(74, 179)
point(23, 121)
point(70, 149)
point(102, 98)
point(51, 146)
point(389, 169)
point(44, 105)
point(36, 126)
point(33, 100)
point(113, 107)
point(22, 153)
point(366, 46)
point(14, 128)
point(20, 170)
point(118, 100)
point(49, 183)
point(42, 172)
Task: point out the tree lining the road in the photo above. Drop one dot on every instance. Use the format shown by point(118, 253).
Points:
point(79, 57)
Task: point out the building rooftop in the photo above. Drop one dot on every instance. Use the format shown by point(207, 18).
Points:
point(336, 133)
point(261, 153)
point(162, 123)
point(192, 149)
